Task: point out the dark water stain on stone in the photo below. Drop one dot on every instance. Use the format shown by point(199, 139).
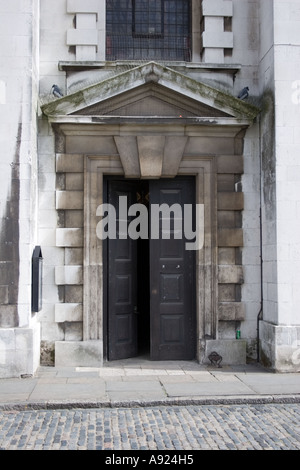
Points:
point(9, 244)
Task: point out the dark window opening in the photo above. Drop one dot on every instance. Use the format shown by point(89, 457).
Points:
point(148, 30)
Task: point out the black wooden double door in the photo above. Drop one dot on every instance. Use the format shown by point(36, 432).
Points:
point(150, 298)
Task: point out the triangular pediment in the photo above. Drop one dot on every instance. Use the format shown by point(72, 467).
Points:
point(148, 100)
point(151, 90)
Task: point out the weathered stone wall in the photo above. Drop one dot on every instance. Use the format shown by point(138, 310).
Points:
point(19, 332)
point(230, 203)
point(279, 79)
point(61, 187)
point(228, 53)
point(238, 228)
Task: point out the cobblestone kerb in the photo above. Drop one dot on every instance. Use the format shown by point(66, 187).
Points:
point(249, 400)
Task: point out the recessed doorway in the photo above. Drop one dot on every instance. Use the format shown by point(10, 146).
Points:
point(150, 281)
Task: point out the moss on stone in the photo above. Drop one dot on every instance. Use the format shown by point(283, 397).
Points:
point(146, 73)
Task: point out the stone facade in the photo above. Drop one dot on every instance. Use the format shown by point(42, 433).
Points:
point(186, 117)
point(280, 119)
point(19, 83)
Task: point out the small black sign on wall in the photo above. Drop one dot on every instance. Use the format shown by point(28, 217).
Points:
point(37, 277)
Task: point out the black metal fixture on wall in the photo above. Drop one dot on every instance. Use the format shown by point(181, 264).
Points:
point(37, 283)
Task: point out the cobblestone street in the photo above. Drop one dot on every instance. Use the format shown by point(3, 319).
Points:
point(226, 427)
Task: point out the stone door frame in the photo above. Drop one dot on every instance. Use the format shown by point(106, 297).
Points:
point(203, 168)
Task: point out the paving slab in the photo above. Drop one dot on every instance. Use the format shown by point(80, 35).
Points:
point(16, 390)
point(111, 372)
point(135, 390)
point(137, 378)
point(138, 385)
point(148, 383)
point(272, 383)
point(69, 391)
point(226, 378)
point(207, 389)
point(201, 376)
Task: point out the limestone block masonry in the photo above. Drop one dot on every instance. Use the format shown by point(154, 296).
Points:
point(150, 120)
point(88, 32)
point(19, 43)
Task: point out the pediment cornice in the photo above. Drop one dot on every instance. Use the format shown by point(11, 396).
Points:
point(144, 84)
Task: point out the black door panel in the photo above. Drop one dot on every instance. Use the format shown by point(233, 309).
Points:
point(122, 282)
point(172, 277)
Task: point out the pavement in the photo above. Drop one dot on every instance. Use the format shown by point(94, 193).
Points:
point(143, 383)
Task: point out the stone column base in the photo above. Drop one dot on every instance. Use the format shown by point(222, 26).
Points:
point(233, 352)
point(78, 354)
point(280, 347)
point(19, 351)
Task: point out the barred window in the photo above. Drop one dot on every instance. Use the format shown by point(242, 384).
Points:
point(148, 30)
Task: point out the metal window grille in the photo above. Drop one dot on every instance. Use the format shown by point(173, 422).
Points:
point(148, 30)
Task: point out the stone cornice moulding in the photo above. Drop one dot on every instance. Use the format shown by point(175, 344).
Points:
point(71, 65)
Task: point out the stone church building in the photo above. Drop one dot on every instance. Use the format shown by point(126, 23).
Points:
point(149, 113)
